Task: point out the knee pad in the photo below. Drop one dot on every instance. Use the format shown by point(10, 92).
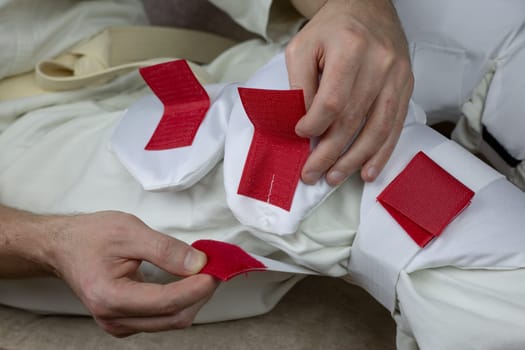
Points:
point(485, 235)
point(245, 125)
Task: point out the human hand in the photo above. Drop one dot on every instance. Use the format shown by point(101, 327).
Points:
point(99, 256)
point(359, 51)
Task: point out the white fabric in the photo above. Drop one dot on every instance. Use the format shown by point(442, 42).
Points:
point(253, 212)
point(176, 168)
point(450, 308)
point(92, 179)
point(239, 297)
point(279, 266)
point(252, 15)
point(446, 307)
point(486, 235)
point(441, 308)
point(276, 21)
point(452, 52)
point(451, 60)
point(180, 168)
point(55, 26)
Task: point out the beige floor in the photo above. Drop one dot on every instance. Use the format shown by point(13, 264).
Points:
point(319, 313)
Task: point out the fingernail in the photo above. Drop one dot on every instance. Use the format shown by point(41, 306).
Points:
point(371, 173)
point(311, 177)
point(194, 261)
point(336, 177)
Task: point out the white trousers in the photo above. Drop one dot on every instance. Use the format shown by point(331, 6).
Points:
point(454, 43)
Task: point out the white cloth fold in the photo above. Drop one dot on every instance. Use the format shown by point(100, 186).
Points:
point(175, 168)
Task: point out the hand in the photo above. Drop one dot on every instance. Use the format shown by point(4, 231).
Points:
point(359, 51)
point(99, 254)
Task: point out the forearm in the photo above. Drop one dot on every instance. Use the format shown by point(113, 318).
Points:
point(309, 8)
point(25, 241)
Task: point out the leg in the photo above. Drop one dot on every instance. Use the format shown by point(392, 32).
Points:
point(434, 300)
point(449, 308)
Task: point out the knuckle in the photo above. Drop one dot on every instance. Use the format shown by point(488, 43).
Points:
point(182, 321)
point(354, 38)
point(382, 129)
point(386, 55)
point(358, 43)
point(164, 249)
point(333, 103)
point(114, 328)
point(96, 300)
point(351, 122)
point(326, 160)
point(293, 48)
point(389, 112)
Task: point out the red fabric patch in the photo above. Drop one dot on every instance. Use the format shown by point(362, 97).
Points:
point(185, 104)
point(277, 154)
point(424, 199)
point(226, 260)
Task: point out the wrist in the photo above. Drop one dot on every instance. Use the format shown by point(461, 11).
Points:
point(28, 243)
point(50, 237)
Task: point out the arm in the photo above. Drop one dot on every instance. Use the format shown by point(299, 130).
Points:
point(360, 51)
point(98, 255)
point(21, 249)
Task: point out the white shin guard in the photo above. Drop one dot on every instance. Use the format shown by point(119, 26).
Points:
point(486, 235)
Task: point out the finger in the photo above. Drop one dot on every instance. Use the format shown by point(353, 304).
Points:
point(334, 93)
point(375, 165)
point(373, 135)
point(303, 70)
point(129, 298)
point(366, 89)
point(327, 151)
point(122, 327)
point(167, 253)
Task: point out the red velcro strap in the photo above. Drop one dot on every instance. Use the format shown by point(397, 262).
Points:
point(277, 154)
point(226, 260)
point(424, 198)
point(185, 104)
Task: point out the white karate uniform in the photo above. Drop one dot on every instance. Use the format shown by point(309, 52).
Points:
point(442, 308)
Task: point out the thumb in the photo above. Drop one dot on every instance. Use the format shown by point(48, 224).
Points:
point(167, 253)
